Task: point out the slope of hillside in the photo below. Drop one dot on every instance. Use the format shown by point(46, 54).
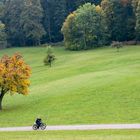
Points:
point(95, 86)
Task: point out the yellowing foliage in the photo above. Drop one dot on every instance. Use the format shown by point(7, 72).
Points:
point(68, 21)
point(2, 26)
point(14, 74)
point(98, 9)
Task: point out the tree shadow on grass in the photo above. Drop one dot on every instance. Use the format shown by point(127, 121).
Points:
point(13, 108)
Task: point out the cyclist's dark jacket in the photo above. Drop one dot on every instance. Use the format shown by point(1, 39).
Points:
point(38, 121)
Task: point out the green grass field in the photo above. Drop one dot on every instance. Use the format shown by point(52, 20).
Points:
point(86, 87)
point(73, 135)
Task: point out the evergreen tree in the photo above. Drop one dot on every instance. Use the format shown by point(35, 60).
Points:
point(138, 22)
point(1, 10)
point(30, 21)
point(120, 19)
point(47, 20)
point(55, 14)
point(11, 20)
point(71, 6)
point(129, 20)
point(59, 15)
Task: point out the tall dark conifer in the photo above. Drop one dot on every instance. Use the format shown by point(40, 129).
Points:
point(11, 18)
point(55, 12)
point(120, 19)
point(138, 22)
point(31, 22)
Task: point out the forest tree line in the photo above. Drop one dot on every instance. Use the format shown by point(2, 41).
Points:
point(34, 22)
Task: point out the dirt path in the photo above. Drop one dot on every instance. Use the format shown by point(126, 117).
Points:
point(76, 127)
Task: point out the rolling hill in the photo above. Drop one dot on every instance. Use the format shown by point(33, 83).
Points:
point(85, 87)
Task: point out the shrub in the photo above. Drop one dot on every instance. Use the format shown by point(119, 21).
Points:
point(50, 56)
point(117, 44)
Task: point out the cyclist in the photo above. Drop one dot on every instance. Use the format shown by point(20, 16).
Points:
point(38, 122)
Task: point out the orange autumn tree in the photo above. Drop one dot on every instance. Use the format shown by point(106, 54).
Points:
point(14, 76)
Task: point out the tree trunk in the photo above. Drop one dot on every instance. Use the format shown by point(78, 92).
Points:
point(1, 97)
point(85, 42)
point(50, 64)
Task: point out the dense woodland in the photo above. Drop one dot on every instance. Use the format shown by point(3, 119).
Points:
point(35, 22)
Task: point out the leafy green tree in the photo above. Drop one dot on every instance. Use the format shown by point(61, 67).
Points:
point(70, 32)
point(84, 28)
point(30, 21)
point(3, 36)
point(138, 22)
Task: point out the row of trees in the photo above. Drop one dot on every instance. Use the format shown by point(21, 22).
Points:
point(92, 26)
point(31, 22)
point(23, 22)
point(122, 19)
point(55, 13)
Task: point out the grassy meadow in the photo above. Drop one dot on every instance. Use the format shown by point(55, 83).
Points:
point(86, 87)
point(73, 135)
